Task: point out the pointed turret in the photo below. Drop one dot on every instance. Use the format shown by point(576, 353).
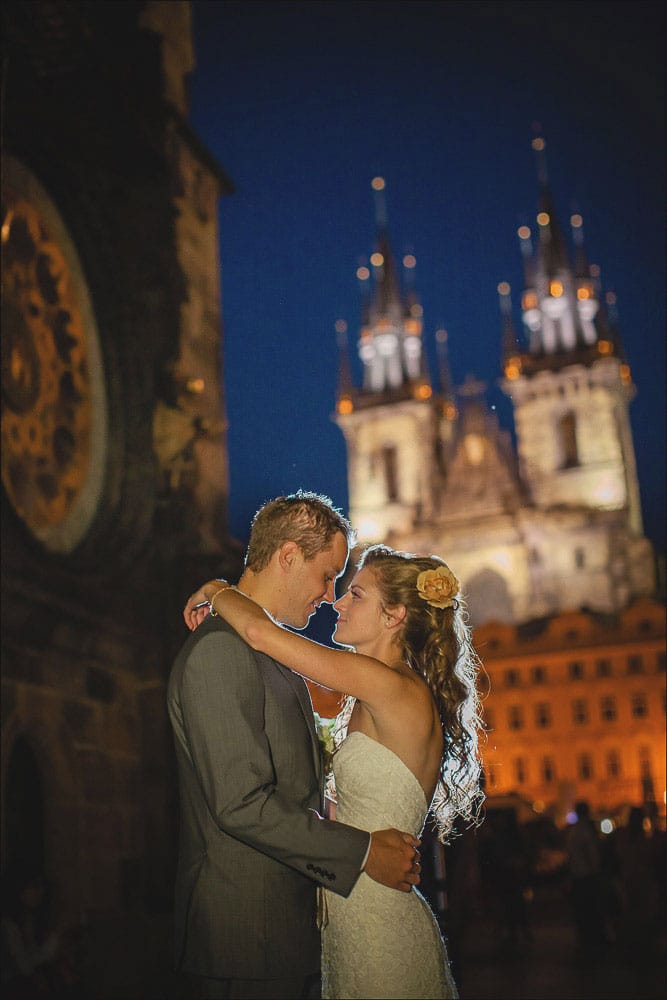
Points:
point(386, 302)
point(390, 341)
point(558, 303)
point(447, 400)
point(510, 342)
point(553, 258)
point(345, 395)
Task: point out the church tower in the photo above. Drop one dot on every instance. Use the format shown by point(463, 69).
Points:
point(388, 424)
point(551, 526)
point(571, 388)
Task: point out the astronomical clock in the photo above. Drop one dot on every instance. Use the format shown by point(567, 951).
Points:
point(53, 399)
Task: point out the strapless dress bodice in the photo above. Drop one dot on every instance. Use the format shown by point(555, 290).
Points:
point(380, 943)
point(375, 790)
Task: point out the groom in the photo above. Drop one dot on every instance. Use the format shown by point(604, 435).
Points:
point(253, 846)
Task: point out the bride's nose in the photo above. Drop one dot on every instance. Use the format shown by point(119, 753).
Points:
point(339, 602)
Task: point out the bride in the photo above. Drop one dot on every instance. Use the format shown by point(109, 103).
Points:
point(407, 744)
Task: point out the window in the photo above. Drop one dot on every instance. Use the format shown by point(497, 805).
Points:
point(639, 705)
point(512, 678)
point(579, 711)
point(542, 715)
point(608, 708)
point(538, 675)
point(603, 668)
point(645, 762)
point(661, 658)
point(520, 770)
point(515, 717)
point(491, 777)
point(613, 764)
point(579, 558)
point(635, 665)
point(585, 766)
point(567, 432)
point(548, 770)
point(575, 670)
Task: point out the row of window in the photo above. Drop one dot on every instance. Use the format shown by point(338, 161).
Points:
point(576, 669)
point(580, 711)
point(545, 771)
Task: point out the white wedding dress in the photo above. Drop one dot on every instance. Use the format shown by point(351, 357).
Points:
point(379, 942)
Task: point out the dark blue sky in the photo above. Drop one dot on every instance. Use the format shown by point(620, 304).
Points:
point(304, 103)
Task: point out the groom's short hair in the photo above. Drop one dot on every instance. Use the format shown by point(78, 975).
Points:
point(308, 519)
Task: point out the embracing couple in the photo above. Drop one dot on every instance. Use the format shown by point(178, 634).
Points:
point(268, 891)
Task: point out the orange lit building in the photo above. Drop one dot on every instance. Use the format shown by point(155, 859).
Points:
point(576, 709)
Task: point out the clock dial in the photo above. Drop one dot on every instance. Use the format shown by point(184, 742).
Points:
point(48, 393)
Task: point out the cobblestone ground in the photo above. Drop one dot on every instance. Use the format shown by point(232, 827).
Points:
point(130, 959)
point(548, 966)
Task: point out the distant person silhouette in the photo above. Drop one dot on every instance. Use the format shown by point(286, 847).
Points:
point(584, 862)
point(638, 885)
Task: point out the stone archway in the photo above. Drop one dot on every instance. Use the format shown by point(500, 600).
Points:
point(41, 805)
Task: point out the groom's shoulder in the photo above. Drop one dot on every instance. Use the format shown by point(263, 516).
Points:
point(216, 632)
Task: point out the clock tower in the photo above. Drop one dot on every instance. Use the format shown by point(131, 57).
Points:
point(114, 458)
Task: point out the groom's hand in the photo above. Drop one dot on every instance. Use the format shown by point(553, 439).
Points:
point(394, 859)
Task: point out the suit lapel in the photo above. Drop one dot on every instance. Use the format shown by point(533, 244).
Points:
point(301, 690)
point(298, 685)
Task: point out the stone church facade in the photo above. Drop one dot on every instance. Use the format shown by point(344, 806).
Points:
point(114, 458)
point(546, 537)
point(549, 527)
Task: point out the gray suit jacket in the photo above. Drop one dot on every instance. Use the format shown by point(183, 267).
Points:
point(252, 845)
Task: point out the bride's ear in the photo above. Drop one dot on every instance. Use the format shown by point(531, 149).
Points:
point(394, 617)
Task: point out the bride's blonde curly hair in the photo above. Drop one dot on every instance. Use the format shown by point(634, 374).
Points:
point(436, 643)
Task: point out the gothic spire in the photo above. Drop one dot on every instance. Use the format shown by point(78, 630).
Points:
point(511, 349)
point(386, 299)
point(345, 397)
point(553, 256)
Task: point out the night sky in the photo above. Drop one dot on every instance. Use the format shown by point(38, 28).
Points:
point(304, 103)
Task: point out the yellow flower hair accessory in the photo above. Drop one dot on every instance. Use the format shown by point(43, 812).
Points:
point(438, 587)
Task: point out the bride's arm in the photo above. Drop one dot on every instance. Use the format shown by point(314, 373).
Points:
point(363, 677)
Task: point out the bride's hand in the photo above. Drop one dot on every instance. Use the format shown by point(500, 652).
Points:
point(198, 607)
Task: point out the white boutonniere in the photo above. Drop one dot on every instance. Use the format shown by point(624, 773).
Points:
point(324, 729)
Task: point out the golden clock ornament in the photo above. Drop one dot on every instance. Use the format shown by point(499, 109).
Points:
point(48, 390)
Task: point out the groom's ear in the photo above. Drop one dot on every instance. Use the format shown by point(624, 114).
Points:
point(287, 554)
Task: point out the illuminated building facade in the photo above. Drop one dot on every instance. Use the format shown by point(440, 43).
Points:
point(547, 538)
point(114, 458)
point(553, 526)
point(576, 709)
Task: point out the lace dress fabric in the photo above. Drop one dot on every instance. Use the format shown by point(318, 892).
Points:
point(380, 943)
